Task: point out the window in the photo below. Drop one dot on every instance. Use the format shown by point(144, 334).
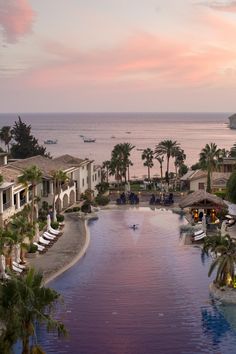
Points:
point(201, 185)
point(83, 182)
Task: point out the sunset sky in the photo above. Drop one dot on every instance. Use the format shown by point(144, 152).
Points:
point(117, 55)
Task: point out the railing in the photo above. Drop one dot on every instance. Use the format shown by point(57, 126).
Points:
point(44, 194)
point(22, 201)
point(6, 205)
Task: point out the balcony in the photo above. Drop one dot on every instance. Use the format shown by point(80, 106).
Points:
point(22, 202)
point(6, 205)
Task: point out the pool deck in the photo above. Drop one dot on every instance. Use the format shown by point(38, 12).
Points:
point(66, 251)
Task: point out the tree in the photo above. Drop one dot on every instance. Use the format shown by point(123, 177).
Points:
point(166, 147)
point(31, 176)
point(6, 136)
point(120, 162)
point(25, 144)
point(210, 157)
point(224, 262)
point(24, 231)
point(231, 188)
point(180, 157)
point(147, 156)
point(106, 166)
point(59, 177)
point(24, 302)
point(232, 152)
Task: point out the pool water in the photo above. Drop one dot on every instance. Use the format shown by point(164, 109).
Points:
point(140, 292)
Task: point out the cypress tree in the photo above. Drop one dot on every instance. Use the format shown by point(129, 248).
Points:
point(25, 144)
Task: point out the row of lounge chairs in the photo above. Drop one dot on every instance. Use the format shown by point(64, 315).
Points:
point(131, 198)
point(166, 200)
point(47, 239)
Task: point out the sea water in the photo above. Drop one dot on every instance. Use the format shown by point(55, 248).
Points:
point(191, 130)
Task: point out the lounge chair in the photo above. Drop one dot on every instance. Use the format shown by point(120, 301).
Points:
point(16, 269)
point(21, 266)
point(54, 237)
point(40, 247)
point(198, 235)
point(43, 241)
point(53, 231)
point(48, 237)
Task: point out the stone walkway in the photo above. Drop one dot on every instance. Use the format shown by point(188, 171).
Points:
point(66, 251)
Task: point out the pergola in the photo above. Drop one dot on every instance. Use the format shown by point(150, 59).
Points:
point(202, 200)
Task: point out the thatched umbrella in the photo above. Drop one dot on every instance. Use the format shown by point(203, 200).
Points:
point(202, 200)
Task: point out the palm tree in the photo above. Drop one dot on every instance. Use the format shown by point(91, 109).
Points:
point(31, 176)
point(224, 262)
point(147, 156)
point(6, 136)
point(59, 177)
point(106, 166)
point(166, 147)
point(160, 159)
point(24, 302)
point(24, 232)
point(120, 162)
point(210, 157)
point(179, 157)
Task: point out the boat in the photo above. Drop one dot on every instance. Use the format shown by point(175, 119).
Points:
point(89, 140)
point(134, 226)
point(140, 149)
point(50, 141)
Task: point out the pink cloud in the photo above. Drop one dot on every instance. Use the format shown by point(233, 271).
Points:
point(228, 6)
point(16, 18)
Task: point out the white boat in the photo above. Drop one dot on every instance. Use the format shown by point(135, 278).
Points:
point(89, 140)
point(50, 141)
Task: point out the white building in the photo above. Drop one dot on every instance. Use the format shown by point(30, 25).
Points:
point(82, 175)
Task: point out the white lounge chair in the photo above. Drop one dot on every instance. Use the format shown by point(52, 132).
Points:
point(16, 269)
point(53, 231)
point(40, 247)
point(53, 237)
point(43, 241)
point(199, 236)
point(48, 238)
point(198, 232)
point(21, 266)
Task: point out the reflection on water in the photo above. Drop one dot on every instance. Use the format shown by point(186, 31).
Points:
point(139, 292)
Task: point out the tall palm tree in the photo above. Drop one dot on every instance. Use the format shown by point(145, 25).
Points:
point(166, 147)
point(31, 177)
point(6, 136)
point(210, 157)
point(24, 232)
point(179, 157)
point(147, 156)
point(106, 166)
point(120, 161)
point(24, 302)
point(59, 177)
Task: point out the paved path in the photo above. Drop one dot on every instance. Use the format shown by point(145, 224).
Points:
point(66, 250)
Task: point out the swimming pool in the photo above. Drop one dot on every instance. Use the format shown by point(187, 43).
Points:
point(140, 292)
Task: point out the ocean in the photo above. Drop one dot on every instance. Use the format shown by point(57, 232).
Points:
point(191, 130)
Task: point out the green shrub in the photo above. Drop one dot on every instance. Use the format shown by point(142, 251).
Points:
point(60, 218)
point(102, 200)
point(32, 248)
point(86, 207)
point(42, 224)
point(221, 194)
point(55, 225)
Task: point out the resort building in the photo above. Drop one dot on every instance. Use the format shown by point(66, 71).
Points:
point(197, 180)
point(82, 175)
